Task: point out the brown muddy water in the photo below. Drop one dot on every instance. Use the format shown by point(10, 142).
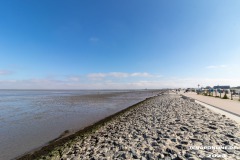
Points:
point(31, 118)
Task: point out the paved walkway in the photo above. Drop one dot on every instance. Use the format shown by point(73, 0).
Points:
point(229, 106)
point(214, 109)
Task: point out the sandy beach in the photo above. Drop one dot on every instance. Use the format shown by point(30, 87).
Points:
point(162, 127)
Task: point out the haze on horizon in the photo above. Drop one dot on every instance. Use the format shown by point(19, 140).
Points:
point(123, 44)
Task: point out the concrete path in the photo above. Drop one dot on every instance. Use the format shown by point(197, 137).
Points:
point(214, 109)
point(226, 105)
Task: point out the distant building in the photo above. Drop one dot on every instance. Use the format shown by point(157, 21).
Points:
point(221, 87)
point(208, 87)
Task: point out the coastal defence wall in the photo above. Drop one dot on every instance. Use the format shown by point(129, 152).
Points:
point(52, 148)
point(163, 126)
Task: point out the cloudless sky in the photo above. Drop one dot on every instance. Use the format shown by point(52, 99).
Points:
point(119, 44)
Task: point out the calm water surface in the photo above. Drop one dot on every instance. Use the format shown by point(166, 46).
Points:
point(31, 118)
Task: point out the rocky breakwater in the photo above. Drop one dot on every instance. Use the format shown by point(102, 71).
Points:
point(162, 127)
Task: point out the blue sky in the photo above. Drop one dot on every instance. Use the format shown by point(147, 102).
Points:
point(119, 44)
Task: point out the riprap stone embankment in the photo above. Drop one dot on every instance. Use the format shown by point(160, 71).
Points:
point(162, 127)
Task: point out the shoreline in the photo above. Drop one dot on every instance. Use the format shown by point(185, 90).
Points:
point(164, 126)
point(34, 118)
point(68, 136)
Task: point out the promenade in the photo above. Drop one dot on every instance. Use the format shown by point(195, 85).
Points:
point(227, 105)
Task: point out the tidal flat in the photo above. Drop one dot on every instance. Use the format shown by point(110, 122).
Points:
point(30, 119)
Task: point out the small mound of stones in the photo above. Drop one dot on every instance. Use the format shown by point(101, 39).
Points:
point(163, 127)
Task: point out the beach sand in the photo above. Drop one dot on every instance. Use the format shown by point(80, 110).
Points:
point(162, 127)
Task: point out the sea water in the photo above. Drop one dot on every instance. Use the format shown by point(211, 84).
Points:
point(31, 118)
